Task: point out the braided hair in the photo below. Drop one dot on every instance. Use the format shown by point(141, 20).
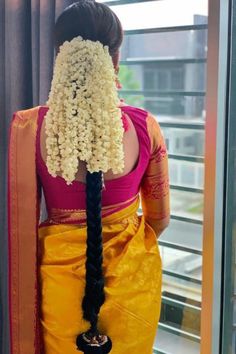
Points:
point(96, 22)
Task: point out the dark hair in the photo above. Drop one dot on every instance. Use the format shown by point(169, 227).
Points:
point(96, 22)
point(90, 20)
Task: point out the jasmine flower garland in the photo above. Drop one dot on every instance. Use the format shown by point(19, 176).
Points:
point(83, 121)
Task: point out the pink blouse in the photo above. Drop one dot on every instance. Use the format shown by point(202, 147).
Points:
point(60, 195)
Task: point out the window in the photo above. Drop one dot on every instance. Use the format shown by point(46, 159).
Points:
point(188, 174)
point(163, 70)
point(177, 79)
point(162, 80)
point(149, 80)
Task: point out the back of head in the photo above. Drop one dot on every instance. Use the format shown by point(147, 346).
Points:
point(90, 20)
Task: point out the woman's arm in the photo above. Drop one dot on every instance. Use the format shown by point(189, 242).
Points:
point(155, 182)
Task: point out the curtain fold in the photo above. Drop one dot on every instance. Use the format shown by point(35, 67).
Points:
point(26, 67)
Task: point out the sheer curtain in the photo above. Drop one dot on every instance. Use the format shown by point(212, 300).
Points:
point(26, 63)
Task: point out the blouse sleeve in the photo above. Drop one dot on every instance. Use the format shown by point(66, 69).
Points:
point(155, 182)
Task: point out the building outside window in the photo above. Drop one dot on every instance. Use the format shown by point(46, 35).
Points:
point(169, 66)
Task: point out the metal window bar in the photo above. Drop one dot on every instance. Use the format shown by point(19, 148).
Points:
point(160, 61)
point(157, 351)
point(182, 276)
point(188, 158)
point(179, 247)
point(154, 93)
point(165, 29)
point(179, 332)
point(125, 2)
point(186, 189)
point(180, 304)
point(180, 125)
point(185, 219)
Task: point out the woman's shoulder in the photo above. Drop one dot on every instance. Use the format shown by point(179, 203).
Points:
point(141, 114)
point(132, 109)
point(148, 121)
point(138, 112)
point(137, 115)
point(26, 114)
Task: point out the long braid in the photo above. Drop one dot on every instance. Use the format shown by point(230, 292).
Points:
point(94, 291)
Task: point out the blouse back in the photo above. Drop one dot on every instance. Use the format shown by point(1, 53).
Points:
point(62, 196)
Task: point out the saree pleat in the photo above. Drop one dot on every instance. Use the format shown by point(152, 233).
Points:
point(132, 268)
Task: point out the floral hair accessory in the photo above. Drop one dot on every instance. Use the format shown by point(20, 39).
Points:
point(83, 121)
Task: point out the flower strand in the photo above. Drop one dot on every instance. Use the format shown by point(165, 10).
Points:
point(83, 121)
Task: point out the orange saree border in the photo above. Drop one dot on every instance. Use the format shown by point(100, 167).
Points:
point(60, 216)
point(23, 218)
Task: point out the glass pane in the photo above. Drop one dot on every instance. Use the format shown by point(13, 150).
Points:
point(182, 262)
point(168, 76)
point(187, 44)
point(176, 288)
point(187, 204)
point(161, 13)
point(183, 234)
point(169, 109)
point(164, 72)
point(171, 343)
point(184, 141)
point(186, 174)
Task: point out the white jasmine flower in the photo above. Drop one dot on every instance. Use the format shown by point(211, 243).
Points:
point(83, 121)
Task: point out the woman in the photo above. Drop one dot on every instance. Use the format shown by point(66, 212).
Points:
point(87, 279)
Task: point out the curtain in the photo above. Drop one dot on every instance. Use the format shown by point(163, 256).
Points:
point(26, 66)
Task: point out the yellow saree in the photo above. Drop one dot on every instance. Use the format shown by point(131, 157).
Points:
point(132, 271)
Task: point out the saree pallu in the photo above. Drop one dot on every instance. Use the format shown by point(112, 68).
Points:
point(132, 270)
point(24, 196)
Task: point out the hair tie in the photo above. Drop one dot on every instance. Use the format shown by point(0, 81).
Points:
point(93, 344)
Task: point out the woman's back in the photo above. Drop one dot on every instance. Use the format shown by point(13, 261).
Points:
point(130, 146)
point(118, 188)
